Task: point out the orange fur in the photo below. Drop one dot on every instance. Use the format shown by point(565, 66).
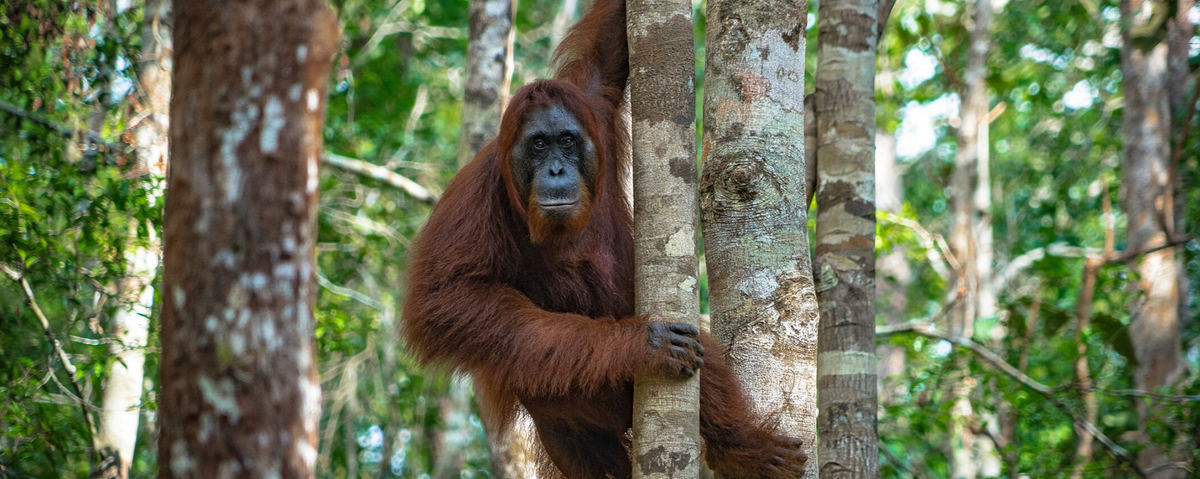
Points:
point(541, 314)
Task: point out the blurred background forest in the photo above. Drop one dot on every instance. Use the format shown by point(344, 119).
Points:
point(72, 210)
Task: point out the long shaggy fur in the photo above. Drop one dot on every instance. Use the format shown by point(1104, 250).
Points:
point(541, 315)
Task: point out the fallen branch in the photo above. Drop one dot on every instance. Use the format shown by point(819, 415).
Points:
point(382, 174)
point(926, 330)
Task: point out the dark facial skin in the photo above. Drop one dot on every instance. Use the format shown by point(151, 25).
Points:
point(553, 159)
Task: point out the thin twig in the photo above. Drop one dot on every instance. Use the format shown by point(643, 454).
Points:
point(926, 330)
point(55, 345)
point(382, 174)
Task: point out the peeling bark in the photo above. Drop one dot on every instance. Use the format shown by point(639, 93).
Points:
point(489, 73)
point(240, 395)
point(666, 411)
point(755, 214)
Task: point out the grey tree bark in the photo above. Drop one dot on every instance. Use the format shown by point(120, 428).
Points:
point(489, 73)
point(754, 208)
point(1147, 195)
point(240, 395)
point(666, 410)
point(121, 406)
point(845, 261)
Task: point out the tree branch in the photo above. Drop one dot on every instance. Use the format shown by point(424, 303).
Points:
point(61, 129)
point(382, 174)
point(926, 330)
point(55, 345)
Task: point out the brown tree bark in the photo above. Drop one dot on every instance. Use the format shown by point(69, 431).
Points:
point(845, 261)
point(1147, 195)
point(753, 202)
point(666, 411)
point(240, 396)
point(489, 73)
point(120, 409)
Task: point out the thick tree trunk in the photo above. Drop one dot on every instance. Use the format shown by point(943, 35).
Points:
point(240, 396)
point(964, 184)
point(1147, 194)
point(120, 409)
point(489, 72)
point(666, 411)
point(753, 202)
point(845, 261)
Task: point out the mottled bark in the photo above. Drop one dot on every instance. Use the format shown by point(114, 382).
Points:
point(965, 185)
point(121, 406)
point(489, 72)
point(240, 396)
point(845, 260)
point(666, 411)
point(1147, 195)
point(753, 192)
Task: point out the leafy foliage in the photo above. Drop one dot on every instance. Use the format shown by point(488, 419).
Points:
point(71, 206)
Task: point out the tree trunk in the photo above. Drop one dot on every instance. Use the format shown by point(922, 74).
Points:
point(845, 261)
point(489, 72)
point(762, 298)
point(240, 395)
point(666, 411)
point(892, 273)
point(965, 184)
point(1179, 35)
point(1146, 187)
point(120, 409)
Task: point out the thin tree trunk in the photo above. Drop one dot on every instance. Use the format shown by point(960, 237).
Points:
point(753, 201)
point(120, 409)
point(456, 412)
point(1147, 193)
point(1179, 34)
point(666, 411)
point(1087, 290)
point(489, 73)
point(845, 261)
point(892, 273)
point(964, 183)
point(562, 20)
point(240, 394)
